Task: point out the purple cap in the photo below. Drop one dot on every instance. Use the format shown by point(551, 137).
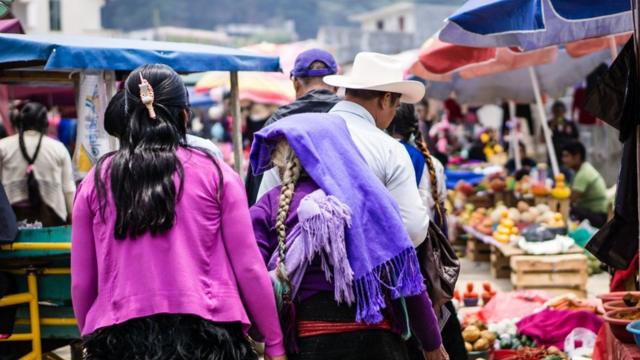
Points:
point(301, 68)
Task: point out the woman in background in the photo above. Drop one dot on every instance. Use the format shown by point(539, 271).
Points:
point(36, 170)
point(433, 192)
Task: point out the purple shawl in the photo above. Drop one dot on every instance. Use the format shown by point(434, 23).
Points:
point(378, 247)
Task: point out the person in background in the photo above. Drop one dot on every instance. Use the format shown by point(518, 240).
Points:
point(588, 189)
point(425, 119)
point(425, 122)
point(562, 129)
point(312, 96)
point(115, 123)
point(36, 170)
point(433, 192)
point(164, 263)
point(526, 162)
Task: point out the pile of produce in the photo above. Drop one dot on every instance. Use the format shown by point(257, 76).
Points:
point(478, 338)
point(551, 353)
point(505, 224)
point(471, 298)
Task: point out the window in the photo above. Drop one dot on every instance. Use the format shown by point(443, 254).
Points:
point(380, 25)
point(401, 23)
point(54, 15)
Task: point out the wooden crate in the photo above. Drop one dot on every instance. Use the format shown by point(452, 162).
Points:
point(477, 250)
point(561, 206)
point(508, 198)
point(500, 266)
point(552, 273)
point(480, 201)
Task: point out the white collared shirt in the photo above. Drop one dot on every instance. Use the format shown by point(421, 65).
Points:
point(389, 161)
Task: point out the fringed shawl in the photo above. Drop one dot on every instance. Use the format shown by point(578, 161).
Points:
point(379, 249)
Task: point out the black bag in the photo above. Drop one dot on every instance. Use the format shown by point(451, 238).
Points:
point(440, 266)
point(8, 226)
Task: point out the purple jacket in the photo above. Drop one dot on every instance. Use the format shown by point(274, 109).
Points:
point(263, 214)
point(207, 265)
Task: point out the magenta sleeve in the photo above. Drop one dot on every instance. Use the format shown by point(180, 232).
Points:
point(423, 321)
point(84, 268)
point(250, 271)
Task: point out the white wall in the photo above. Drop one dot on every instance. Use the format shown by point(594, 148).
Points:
point(391, 22)
point(78, 17)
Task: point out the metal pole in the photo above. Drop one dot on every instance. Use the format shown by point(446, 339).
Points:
point(236, 124)
point(613, 47)
point(543, 119)
point(515, 144)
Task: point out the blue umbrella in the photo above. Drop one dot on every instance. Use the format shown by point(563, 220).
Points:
point(533, 24)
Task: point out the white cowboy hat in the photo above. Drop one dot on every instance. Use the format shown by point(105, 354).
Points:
point(373, 71)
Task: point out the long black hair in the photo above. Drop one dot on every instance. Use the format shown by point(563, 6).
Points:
point(141, 171)
point(405, 122)
point(31, 116)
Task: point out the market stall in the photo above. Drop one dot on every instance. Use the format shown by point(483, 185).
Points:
point(564, 22)
point(94, 64)
point(40, 257)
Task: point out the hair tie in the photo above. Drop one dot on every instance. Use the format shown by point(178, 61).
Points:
point(146, 95)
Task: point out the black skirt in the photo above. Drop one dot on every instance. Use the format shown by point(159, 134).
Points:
point(356, 345)
point(169, 336)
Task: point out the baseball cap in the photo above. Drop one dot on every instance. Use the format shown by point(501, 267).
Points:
point(302, 66)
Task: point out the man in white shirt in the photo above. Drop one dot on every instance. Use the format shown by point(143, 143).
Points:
point(373, 92)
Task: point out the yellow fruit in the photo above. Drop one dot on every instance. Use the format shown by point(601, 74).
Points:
point(514, 231)
point(468, 346)
point(507, 223)
point(481, 344)
point(490, 336)
point(471, 334)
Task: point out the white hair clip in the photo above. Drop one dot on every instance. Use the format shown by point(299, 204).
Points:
point(146, 95)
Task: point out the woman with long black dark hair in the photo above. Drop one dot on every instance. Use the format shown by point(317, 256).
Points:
point(35, 169)
point(164, 260)
point(432, 188)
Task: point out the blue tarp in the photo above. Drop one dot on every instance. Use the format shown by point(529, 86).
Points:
point(85, 52)
point(472, 177)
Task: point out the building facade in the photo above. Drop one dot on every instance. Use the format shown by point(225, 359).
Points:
point(391, 29)
point(69, 17)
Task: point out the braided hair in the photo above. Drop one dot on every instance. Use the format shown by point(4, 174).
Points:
point(424, 149)
point(289, 168)
point(405, 125)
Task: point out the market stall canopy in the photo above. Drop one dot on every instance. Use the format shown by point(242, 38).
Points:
point(56, 52)
point(515, 85)
point(266, 88)
point(533, 24)
point(272, 88)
